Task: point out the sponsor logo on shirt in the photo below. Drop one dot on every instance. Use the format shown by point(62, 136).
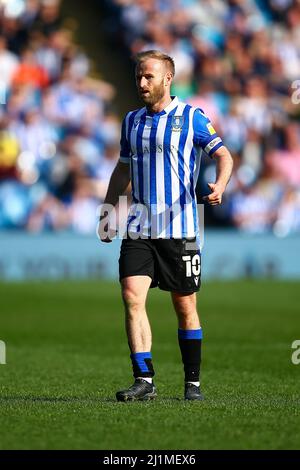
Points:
point(210, 129)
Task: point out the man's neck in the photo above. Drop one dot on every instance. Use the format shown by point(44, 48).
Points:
point(160, 105)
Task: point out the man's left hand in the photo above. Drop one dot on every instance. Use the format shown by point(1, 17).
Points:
point(215, 198)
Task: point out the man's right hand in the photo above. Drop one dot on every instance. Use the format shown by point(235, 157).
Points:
point(104, 232)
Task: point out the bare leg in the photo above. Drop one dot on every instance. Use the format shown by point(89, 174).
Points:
point(186, 310)
point(134, 294)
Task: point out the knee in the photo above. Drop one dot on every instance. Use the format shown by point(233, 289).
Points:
point(184, 307)
point(131, 299)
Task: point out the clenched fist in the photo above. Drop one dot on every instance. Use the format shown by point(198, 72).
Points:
point(215, 198)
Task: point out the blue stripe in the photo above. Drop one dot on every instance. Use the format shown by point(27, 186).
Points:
point(130, 124)
point(153, 132)
point(195, 212)
point(182, 142)
point(192, 190)
point(167, 166)
point(132, 185)
point(190, 334)
point(125, 148)
point(139, 151)
point(139, 358)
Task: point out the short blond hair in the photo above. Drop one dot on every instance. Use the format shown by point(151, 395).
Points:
point(154, 54)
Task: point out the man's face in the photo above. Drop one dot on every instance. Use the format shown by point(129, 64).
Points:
point(150, 81)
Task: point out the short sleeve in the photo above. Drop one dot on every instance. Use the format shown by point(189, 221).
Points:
point(204, 134)
point(125, 146)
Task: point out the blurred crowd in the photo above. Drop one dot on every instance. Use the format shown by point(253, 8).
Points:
point(239, 60)
point(58, 134)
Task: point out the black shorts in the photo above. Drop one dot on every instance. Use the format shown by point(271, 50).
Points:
point(173, 264)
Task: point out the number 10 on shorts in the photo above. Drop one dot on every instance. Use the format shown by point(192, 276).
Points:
point(192, 265)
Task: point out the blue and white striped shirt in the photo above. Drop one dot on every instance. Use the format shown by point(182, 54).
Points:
point(164, 152)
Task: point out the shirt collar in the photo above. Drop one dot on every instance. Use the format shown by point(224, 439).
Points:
point(169, 108)
point(172, 105)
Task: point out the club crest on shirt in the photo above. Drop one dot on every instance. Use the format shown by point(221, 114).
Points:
point(177, 123)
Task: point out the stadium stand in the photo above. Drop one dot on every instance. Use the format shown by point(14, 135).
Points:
point(58, 133)
point(237, 60)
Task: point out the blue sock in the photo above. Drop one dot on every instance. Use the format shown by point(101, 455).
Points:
point(142, 364)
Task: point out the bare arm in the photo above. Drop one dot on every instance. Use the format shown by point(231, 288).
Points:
point(118, 184)
point(224, 169)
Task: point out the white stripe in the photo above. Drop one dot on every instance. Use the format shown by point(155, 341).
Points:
point(190, 231)
point(146, 164)
point(186, 156)
point(198, 163)
point(196, 175)
point(196, 169)
point(146, 175)
point(175, 184)
point(160, 176)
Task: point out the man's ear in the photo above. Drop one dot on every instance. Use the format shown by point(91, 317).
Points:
point(168, 78)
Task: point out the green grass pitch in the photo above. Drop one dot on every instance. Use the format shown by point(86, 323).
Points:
point(67, 355)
